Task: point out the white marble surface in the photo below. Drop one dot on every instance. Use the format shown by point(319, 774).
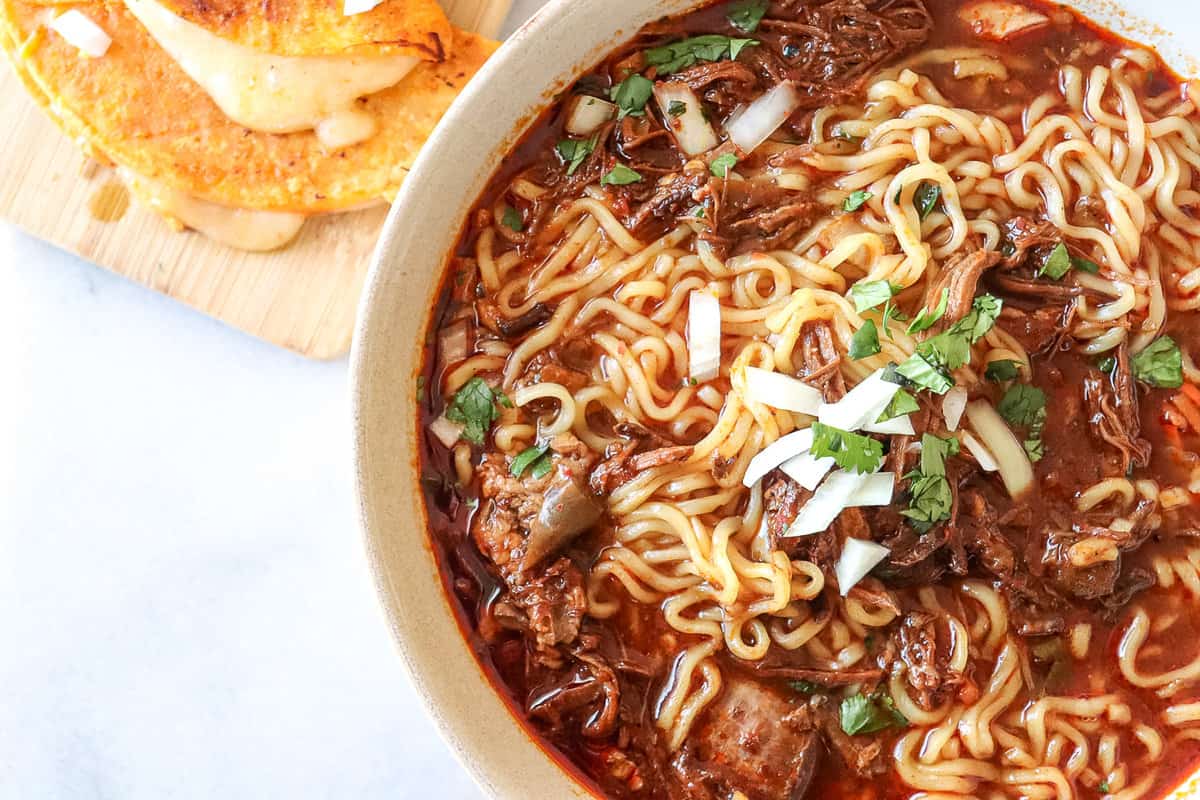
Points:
point(185, 610)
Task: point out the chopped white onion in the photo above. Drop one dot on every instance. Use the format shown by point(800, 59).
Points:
point(953, 405)
point(862, 405)
point(352, 7)
point(829, 500)
point(452, 343)
point(78, 29)
point(900, 426)
point(777, 452)
point(858, 558)
point(777, 390)
point(807, 470)
point(1011, 460)
point(1000, 19)
point(692, 132)
point(588, 113)
point(877, 490)
point(755, 123)
point(703, 335)
point(975, 447)
point(447, 432)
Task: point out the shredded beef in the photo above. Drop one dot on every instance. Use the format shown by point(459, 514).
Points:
point(1112, 408)
point(960, 278)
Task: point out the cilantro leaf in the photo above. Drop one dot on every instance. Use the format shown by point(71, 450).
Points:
point(721, 165)
point(1159, 364)
point(930, 496)
point(1000, 370)
point(677, 108)
point(620, 175)
point(1107, 364)
point(925, 373)
point(890, 312)
point(511, 218)
point(985, 310)
point(746, 14)
point(1025, 405)
point(856, 200)
point(925, 198)
point(1085, 265)
point(631, 95)
point(865, 342)
point(861, 713)
point(869, 294)
point(1056, 264)
point(541, 467)
point(1022, 403)
point(926, 319)
point(851, 451)
point(574, 152)
point(526, 458)
point(902, 403)
point(474, 405)
point(679, 55)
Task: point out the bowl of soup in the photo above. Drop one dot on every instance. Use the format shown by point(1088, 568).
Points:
point(762, 400)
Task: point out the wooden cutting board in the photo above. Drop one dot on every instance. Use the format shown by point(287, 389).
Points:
point(302, 297)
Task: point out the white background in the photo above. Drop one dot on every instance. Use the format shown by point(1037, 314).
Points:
point(185, 609)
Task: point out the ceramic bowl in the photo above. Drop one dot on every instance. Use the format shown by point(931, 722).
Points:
point(560, 41)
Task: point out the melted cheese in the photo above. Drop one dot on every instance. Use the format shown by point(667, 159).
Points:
point(240, 228)
point(272, 93)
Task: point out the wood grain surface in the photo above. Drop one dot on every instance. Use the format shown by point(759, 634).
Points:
point(302, 297)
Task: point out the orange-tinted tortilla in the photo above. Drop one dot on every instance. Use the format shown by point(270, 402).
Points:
point(135, 106)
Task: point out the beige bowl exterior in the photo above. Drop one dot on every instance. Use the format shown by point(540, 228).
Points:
point(565, 37)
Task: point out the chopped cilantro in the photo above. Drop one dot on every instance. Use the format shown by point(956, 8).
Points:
point(474, 405)
point(679, 55)
point(863, 713)
point(930, 496)
point(1025, 405)
point(926, 319)
point(631, 95)
point(1057, 263)
point(1107, 364)
point(511, 218)
point(851, 451)
point(721, 165)
point(1103, 787)
point(746, 14)
point(1085, 265)
point(676, 108)
point(541, 467)
point(925, 198)
point(620, 175)
point(902, 403)
point(526, 458)
point(856, 200)
point(891, 312)
point(1000, 370)
point(925, 374)
point(574, 152)
point(865, 342)
point(806, 687)
point(1159, 364)
point(869, 294)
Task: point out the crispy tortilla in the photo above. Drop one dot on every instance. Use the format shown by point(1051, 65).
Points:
point(135, 106)
point(417, 28)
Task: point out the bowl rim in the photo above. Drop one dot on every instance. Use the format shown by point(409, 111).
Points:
point(542, 767)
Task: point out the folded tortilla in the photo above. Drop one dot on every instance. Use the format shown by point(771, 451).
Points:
point(136, 107)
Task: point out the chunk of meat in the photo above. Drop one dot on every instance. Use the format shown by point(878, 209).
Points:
point(753, 741)
point(674, 195)
point(640, 450)
point(960, 279)
point(822, 360)
point(1022, 235)
point(585, 693)
point(925, 660)
point(568, 509)
point(1041, 330)
point(1112, 408)
point(550, 598)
